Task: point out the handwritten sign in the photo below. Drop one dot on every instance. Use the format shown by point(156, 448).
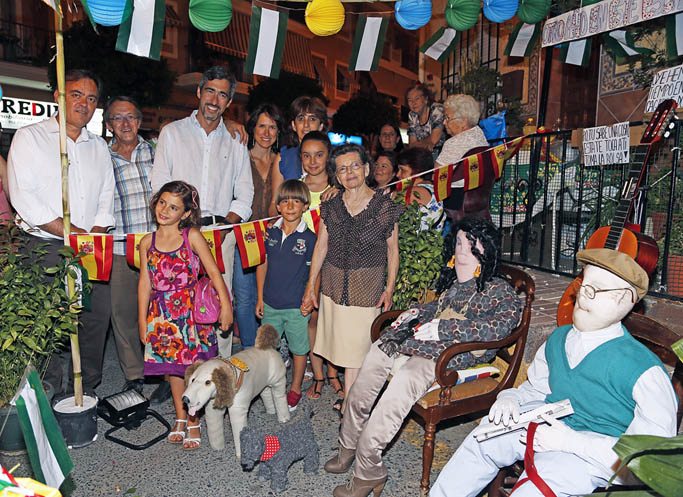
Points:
point(666, 84)
point(606, 145)
point(607, 15)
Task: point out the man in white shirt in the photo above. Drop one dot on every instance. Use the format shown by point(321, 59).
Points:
point(616, 386)
point(34, 174)
point(200, 151)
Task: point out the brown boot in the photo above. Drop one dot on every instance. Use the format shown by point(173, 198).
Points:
point(342, 461)
point(360, 488)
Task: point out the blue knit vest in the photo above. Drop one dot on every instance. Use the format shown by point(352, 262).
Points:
point(600, 387)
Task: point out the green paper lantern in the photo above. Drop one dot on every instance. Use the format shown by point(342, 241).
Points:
point(461, 15)
point(210, 15)
point(533, 11)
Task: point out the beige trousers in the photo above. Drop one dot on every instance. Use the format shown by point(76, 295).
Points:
point(369, 432)
point(224, 338)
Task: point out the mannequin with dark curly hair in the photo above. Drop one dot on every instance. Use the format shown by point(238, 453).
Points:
point(474, 305)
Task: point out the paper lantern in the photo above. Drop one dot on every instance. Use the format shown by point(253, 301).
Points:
point(500, 10)
point(210, 15)
point(325, 17)
point(107, 12)
point(461, 15)
point(413, 14)
point(534, 11)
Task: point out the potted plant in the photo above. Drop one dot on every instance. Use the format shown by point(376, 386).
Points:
point(36, 317)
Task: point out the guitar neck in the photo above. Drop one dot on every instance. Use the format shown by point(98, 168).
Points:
point(629, 191)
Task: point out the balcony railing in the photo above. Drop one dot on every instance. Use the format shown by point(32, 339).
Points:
point(548, 203)
point(25, 44)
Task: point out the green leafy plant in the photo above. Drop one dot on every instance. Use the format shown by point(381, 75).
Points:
point(419, 257)
point(36, 315)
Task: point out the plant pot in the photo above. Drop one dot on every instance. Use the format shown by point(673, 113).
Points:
point(78, 424)
point(12, 438)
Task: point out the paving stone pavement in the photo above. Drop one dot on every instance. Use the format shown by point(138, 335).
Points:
point(106, 469)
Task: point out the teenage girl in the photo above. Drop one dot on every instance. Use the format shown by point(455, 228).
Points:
point(315, 149)
point(166, 291)
point(307, 114)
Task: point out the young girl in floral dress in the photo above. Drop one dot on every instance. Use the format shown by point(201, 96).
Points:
point(172, 340)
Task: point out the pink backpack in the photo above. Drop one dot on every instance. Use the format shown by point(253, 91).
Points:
point(206, 305)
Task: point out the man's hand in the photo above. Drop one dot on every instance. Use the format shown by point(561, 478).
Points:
point(235, 127)
point(553, 437)
point(428, 331)
point(503, 410)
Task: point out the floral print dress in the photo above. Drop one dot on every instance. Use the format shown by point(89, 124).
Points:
point(174, 341)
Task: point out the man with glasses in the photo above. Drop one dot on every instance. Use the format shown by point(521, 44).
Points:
point(132, 159)
point(615, 384)
point(35, 180)
point(200, 150)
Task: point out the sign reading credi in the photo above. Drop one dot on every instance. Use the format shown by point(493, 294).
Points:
point(18, 112)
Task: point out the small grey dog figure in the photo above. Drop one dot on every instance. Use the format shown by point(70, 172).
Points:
point(278, 450)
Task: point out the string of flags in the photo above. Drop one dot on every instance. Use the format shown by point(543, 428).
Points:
point(97, 249)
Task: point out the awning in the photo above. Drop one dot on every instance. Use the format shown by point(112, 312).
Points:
point(234, 40)
point(172, 18)
point(390, 83)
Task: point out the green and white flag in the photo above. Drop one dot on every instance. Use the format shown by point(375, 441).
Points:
point(523, 40)
point(441, 44)
point(576, 52)
point(54, 4)
point(674, 35)
point(267, 34)
point(621, 43)
point(142, 29)
point(46, 447)
point(368, 43)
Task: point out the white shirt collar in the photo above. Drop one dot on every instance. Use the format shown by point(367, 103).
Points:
point(195, 122)
point(299, 229)
point(53, 127)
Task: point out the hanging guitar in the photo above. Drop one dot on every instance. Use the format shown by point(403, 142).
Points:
point(622, 235)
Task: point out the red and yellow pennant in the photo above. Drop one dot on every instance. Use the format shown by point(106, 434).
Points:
point(473, 173)
point(505, 152)
point(251, 243)
point(442, 179)
point(213, 239)
point(403, 184)
point(315, 216)
point(98, 250)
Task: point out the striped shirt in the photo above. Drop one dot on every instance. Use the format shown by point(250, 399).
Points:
point(133, 192)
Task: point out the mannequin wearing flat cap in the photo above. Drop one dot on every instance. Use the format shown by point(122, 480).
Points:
point(616, 386)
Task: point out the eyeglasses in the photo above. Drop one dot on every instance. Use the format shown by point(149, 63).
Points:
point(120, 119)
point(590, 291)
point(351, 167)
point(447, 118)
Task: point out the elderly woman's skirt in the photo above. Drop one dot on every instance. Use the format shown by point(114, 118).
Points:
point(343, 335)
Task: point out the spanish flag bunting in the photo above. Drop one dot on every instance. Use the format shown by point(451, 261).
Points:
point(315, 215)
point(473, 174)
point(443, 177)
point(133, 248)
point(409, 195)
point(213, 239)
point(505, 152)
point(98, 251)
point(251, 243)
point(403, 184)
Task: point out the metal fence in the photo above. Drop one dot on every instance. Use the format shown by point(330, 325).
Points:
point(25, 44)
point(548, 204)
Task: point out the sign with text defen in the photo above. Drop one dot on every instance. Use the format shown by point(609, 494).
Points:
point(604, 16)
point(667, 84)
point(606, 145)
point(18, 112)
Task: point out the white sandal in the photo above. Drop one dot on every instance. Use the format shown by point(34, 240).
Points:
point(189, 439)
point(180, 433)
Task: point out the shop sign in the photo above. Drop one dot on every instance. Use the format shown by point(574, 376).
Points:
point(606, 145)
point(666, 84)
point(607, 15)
point(18, 112)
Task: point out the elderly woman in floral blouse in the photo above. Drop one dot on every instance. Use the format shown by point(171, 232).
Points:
point(426, 120)
point(475, 305)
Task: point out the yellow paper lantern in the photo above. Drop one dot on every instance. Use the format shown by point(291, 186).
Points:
point(325, 17)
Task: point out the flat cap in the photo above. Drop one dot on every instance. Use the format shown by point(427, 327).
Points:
point(623, 265)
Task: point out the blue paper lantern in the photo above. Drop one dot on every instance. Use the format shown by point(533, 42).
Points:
point(500, 10)
point(107, 12)
point(413, 14)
